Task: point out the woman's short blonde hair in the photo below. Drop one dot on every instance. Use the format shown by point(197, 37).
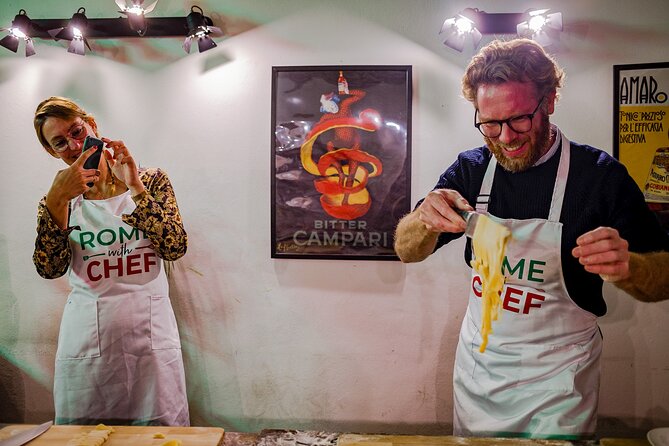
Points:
point(518, 60)
point(59, 107)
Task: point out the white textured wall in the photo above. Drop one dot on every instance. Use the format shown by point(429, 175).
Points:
point(314, 344)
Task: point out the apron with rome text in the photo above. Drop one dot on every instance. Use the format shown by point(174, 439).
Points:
point(119, 353)
point(539, 375)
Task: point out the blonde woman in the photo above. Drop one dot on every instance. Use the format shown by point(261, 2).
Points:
point(119, 353)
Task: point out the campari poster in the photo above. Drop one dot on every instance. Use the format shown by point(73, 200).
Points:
point(340, 160)
point(641, 130)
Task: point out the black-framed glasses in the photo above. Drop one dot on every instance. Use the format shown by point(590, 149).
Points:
point(77, 132)
point(519, 124)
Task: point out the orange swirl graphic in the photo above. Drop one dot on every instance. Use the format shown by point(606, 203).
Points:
point(344, 171)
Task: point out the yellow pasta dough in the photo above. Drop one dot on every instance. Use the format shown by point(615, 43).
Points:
point(489, 244)
point(95, 437)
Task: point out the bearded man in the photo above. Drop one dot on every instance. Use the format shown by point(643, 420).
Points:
point(576, 218)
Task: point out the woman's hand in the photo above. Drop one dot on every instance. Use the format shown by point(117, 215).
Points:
point(69, 183)
point(123, 165)
point(602, 251)
point(72, 182)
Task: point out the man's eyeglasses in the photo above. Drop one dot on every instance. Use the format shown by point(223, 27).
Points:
point(77, 132)
point(519, 124)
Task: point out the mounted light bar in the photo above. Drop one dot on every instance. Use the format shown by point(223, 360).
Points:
point(471, 24)
point(79, 29)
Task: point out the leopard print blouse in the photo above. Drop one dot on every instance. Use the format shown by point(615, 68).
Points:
point(156, 214)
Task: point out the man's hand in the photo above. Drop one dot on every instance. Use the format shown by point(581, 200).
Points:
point(417, 233)
point(602, 251)
point(438, 212)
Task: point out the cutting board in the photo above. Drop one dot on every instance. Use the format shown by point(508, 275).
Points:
point(125, 435)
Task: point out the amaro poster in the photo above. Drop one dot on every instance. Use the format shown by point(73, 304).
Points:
point(641, 130)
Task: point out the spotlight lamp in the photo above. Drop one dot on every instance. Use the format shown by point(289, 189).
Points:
point(200, 28)
point(21, 28)
point(540, 26)
point(460, 29)
point(75, 32)
point(135, 14)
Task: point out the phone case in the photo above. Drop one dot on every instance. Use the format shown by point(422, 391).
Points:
point(94, 160)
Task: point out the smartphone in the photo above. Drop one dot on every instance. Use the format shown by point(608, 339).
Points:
point(94, 160)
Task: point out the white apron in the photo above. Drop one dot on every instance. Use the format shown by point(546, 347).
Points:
point(119, 354)
point(539, 375)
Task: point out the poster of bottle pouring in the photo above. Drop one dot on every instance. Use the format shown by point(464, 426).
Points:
point(641, 130)
point(340, 160)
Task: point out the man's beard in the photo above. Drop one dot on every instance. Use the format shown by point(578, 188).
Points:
point(541, 146)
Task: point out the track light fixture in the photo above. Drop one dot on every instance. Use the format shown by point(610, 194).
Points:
point(79, 29)
point(200, 27)
point(135, 13)
point(471, 23)
point(75, 32)
point(21, 28)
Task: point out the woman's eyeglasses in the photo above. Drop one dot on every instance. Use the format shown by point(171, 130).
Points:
point(77, 133)
point(519, 124)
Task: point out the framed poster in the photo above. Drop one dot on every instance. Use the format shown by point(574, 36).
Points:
point(641, 130)
point(340, 160)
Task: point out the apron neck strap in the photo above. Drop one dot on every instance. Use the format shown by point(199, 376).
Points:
point(484, 194)
point(483, 198)
point(561, 178)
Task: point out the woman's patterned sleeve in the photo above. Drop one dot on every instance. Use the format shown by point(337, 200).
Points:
point(157, 215)
point(52, 253)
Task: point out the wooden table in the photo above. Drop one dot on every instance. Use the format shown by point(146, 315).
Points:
point(214, 436)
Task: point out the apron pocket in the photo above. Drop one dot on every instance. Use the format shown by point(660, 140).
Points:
point(550, 367)
point(164, 330)
point(78, 337)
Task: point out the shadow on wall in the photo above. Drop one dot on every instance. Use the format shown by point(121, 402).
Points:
point(6, 69)
point(444, 380)
point(630, 427)
point(21, 382)
point(12, 393)
point(605, 40)
point(205, 330)
point(628, 361)
point(12, 387)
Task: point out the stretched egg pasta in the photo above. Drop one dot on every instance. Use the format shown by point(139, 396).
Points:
point(489, 245)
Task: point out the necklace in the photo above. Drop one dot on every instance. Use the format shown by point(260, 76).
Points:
point(111, 188)
point(112, 182)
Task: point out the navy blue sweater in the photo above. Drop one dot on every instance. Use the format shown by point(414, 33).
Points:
point(599, 192)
